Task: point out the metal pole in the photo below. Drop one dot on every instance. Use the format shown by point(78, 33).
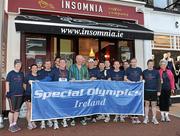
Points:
point(1, 42)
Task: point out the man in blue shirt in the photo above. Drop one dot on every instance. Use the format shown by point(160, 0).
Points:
point(133, 74)
point(101, 74)
point(61, 73)
point(152, 88)
point(93, 72)
point(117, 75)
point(46, 72)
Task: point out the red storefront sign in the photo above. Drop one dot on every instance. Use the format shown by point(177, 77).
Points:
point(80, 7)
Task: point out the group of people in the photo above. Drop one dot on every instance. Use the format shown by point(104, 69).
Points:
point(157, 84)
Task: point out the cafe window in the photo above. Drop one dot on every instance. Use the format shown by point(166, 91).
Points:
point(66, 50)
point(88, 47)
point(35, 50)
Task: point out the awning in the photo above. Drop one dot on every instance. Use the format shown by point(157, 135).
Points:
point(61, 25)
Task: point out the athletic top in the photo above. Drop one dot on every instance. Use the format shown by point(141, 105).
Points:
point(44, 74)
point(93, 72)
point(16, 80)
point(101, 75)
point(28, 86)
point(152, 80)
point(133, 74)
point(117, 76)
point(56, 74)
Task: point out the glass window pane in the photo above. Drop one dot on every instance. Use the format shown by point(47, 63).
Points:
point(88, 47)
point(66, 50)
point(162, 41)
point(35, 49)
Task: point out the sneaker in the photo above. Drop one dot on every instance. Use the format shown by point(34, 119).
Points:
point(12, 129)
point(49, 123)
point(167, 119)
point(93, 120)
point(162, 119)
point(116, 118)
point(64, 123)
point(73, 123)
point(34, 125)
point(133, 121)
point(88, 118)
point(122, 120)
point(17, 127)
point(107, 119)
point(83, 122)
point(146, 120)
point(154, 121)
point(43, 126)
point(100, 117)
point(30, 126)
point(56, 125)
point(138, 121)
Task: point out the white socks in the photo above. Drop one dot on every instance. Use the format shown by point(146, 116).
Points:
point(166, 114)
point(162, 114)
point(13, 124)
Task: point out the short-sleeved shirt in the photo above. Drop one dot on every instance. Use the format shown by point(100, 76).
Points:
point(133, 74)
point(101, 75)
point(57, 73)
point(27, 79)
point(93, 72)
point(44, 73)
point(116, 75)
point(152, 80)
point(16, 80)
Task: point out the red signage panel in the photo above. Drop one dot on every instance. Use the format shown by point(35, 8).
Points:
point(80, 7)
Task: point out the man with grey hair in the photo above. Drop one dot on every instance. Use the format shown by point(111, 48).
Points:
point(78, 71)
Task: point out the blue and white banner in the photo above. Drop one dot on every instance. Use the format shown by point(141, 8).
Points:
point(57, 100)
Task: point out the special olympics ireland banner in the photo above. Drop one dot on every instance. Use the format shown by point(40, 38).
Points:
point(57, 100)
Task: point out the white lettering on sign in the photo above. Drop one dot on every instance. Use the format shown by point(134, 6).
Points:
point(81, 6)
point(40, 94)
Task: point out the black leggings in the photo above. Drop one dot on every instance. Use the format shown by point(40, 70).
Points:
point(15, 103)
point(164, 100)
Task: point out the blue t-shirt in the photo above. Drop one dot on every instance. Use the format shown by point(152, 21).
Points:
point(116, 75)
point(93, 72)
point(27, 79)
point(44, 75)
point(101, 75)
point(57, 73)
point(152, 80)
point(16, 80)
point(133, 74)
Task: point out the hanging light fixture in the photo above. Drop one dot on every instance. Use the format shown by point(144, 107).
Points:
point(91, 53)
